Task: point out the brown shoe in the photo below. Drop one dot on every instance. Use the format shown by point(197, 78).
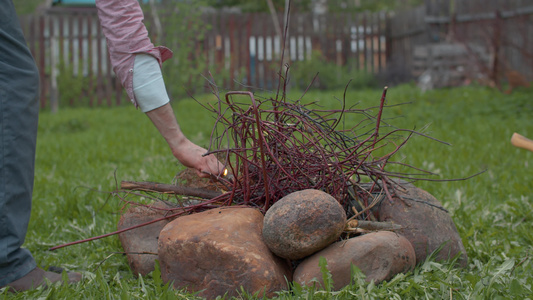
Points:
point(39, 277)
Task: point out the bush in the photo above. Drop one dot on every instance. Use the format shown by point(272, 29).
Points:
point(184, 32)
point(330, 76)
point(71, 85)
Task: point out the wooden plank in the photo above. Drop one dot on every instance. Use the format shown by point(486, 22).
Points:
point(270, 35)
point(208, 47)
point(41, 61)
point(344, 36)
point(220, 46)
point(100, 88)
point(118, 91)
point(71, 47)
point(261, 54)
point(233, 49)
point(238, 51)
point(61, 37)
point(356, 23)
point(79, 40)
point(337, 40)
point(33, 36)
point(109, 85)
point(90, 59)
point(373, 37)
point(388, 38)
point(256, 80)
point(365, 39)
point(54, 52)
point(247, 47)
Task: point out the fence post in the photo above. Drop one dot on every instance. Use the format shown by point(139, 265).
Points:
point(496, 40)
point(54, 51)
point(388, 37)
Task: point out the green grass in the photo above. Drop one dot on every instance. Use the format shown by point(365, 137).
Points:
point(81, 152)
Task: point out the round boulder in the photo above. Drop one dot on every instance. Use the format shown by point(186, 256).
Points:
point(303, 223)
point(220, 252)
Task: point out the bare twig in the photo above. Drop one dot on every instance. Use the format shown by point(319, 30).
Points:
point(353, 225)
point(169, 189)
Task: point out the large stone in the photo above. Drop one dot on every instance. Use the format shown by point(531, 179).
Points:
point(303, 223)
point(140, 244)
point(217, 251)
point(425, 224)
point(379, 255)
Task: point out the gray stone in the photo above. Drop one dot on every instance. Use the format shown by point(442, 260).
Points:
point(425, 224)
point(302, 223)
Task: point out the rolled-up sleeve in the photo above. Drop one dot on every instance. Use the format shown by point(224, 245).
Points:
point(126, 35)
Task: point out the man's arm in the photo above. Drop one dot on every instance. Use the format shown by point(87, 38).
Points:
point(188, 153)
point(137, 63)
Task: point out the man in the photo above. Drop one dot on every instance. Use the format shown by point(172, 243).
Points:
point(136, 62)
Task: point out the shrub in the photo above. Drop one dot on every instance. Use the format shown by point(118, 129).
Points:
point(184, 32)
point(71, 85)
point(330, 76)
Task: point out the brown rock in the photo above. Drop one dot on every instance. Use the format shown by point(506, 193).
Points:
point(425, 224)
point(302, 223)
point(379, 255)
point(140, 244)
point(217, 251)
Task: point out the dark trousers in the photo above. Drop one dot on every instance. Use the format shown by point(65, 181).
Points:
point(19, 91)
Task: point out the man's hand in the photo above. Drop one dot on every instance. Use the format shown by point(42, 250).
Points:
point(188, 153)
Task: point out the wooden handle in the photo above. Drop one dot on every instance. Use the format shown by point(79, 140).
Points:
point(522, 142)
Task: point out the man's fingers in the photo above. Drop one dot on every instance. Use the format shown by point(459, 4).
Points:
point(216, 168)
point(202, 174)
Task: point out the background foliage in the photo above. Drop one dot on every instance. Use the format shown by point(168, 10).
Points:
point(305, 5)
point(29, 6)
point(184, 33)
point(328, 75)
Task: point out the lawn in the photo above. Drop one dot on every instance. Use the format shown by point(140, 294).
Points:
point(82, 153)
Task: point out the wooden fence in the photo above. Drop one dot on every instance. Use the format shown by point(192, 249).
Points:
point(70, 49)
point(72, 40)
point(250, 41)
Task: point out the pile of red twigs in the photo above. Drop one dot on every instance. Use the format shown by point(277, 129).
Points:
point(276, 147)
